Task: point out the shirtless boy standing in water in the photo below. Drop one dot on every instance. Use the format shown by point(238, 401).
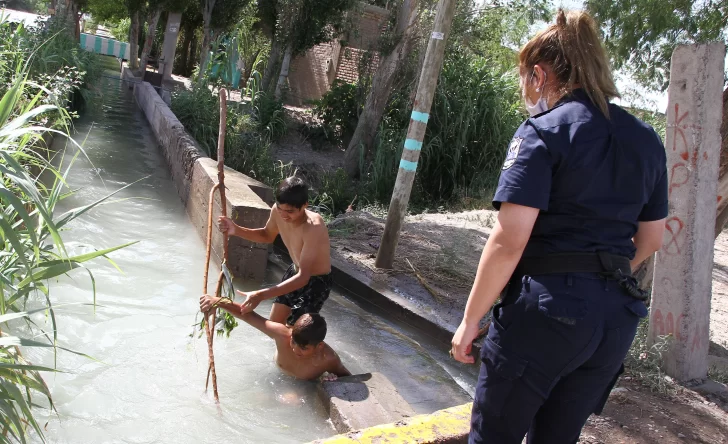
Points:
point(300, 349)
point(307, 282)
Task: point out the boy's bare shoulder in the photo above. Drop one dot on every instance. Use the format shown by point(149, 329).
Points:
point(316, 222)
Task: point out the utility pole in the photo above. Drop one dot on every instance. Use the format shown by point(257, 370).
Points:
point(415, 133)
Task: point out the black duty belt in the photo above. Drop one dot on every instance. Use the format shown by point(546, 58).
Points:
point(608, 266)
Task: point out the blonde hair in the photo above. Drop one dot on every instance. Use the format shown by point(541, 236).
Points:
point(574, 51)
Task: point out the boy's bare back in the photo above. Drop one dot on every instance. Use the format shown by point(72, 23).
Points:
point(307, 368)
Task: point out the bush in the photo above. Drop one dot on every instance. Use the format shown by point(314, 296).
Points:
point(250, 128)
point(476, 110)
point(334, 193)
point(199, 111)
point(339, 110)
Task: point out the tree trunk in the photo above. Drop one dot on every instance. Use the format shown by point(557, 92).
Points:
point(270, 68)
point(382, 83)
point(206, 37)
point(185, 54)
point(152, 21)
point(134, 41)
point(284, 71)
point(65, 14)
point(193, 54)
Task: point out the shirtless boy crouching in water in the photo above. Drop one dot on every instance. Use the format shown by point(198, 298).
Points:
point(300, 350)
point(307, 282)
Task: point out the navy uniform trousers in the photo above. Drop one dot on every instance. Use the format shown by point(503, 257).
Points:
point(552, 355)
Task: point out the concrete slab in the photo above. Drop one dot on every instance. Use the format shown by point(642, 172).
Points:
point(448, 426)
point(360, 401)
point(194, 174)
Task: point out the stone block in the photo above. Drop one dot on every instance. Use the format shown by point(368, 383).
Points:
point(245, 259)
point(361, 401)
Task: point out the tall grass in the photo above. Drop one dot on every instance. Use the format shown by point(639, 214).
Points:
point(251, 126)
point(475, 111)
point(31, 245)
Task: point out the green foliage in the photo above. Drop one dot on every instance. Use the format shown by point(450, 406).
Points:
point(265, 109)
point(120, 30)
point(306, 23)
point(31, 247)
point(475, 112)
point(250, 127)
point(656, 120)
point(499, 29)
point(339, 110)
point(334, 193)
point(198, 110)
point(644, 359)
point(57, 61)
point(640, 35)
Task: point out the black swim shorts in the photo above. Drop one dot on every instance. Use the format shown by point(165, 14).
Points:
point(307, 299)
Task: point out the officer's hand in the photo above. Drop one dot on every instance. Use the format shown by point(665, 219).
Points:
point(462, 342)
point(226, 225)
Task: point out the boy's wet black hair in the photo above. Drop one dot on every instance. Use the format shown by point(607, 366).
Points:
point(292, 191)
point(309, 329)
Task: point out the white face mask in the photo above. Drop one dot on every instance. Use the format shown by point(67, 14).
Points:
point(541, 105)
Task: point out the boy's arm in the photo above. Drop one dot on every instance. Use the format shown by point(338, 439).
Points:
point(336, 367)
point(271, 329)
point(265, 235)
point(309, 254)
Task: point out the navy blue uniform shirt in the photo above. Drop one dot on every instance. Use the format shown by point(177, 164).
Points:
point(593, 179)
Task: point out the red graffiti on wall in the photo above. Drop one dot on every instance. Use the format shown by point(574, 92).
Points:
point(666, 325)
point(680, 171)
point(678, 176)
point(674, 227)
point(696, 337)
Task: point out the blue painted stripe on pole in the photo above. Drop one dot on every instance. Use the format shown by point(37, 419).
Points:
point(110, 47)
point(97, 45)
point(122, 50)
point(412, 144)
point(407, 165)
point(420, 117)
point(83, 41)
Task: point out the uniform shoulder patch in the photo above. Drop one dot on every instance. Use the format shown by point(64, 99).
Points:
point(512, 153)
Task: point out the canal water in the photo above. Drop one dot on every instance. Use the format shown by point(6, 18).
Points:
point(145, 383)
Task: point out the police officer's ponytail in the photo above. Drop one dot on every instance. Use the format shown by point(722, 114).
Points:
point(573, 50)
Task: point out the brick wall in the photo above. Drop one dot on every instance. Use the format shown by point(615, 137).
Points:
point(312, 74)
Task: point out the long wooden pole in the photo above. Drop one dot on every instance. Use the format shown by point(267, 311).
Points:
point(416, 133)
point(219, 186)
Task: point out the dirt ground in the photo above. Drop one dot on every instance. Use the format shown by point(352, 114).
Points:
point(444, 249)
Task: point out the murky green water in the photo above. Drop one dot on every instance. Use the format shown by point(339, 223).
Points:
point(149, 384)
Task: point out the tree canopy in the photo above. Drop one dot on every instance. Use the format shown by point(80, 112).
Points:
point(640, 35)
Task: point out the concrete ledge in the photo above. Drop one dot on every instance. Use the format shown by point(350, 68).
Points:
point(449, 426)
point(246, 259)
point(360, 401)
point(194, 175)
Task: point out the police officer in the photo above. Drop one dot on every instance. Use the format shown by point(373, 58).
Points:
point(582, 200)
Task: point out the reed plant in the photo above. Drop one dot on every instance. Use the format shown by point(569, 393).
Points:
point(31, 246)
